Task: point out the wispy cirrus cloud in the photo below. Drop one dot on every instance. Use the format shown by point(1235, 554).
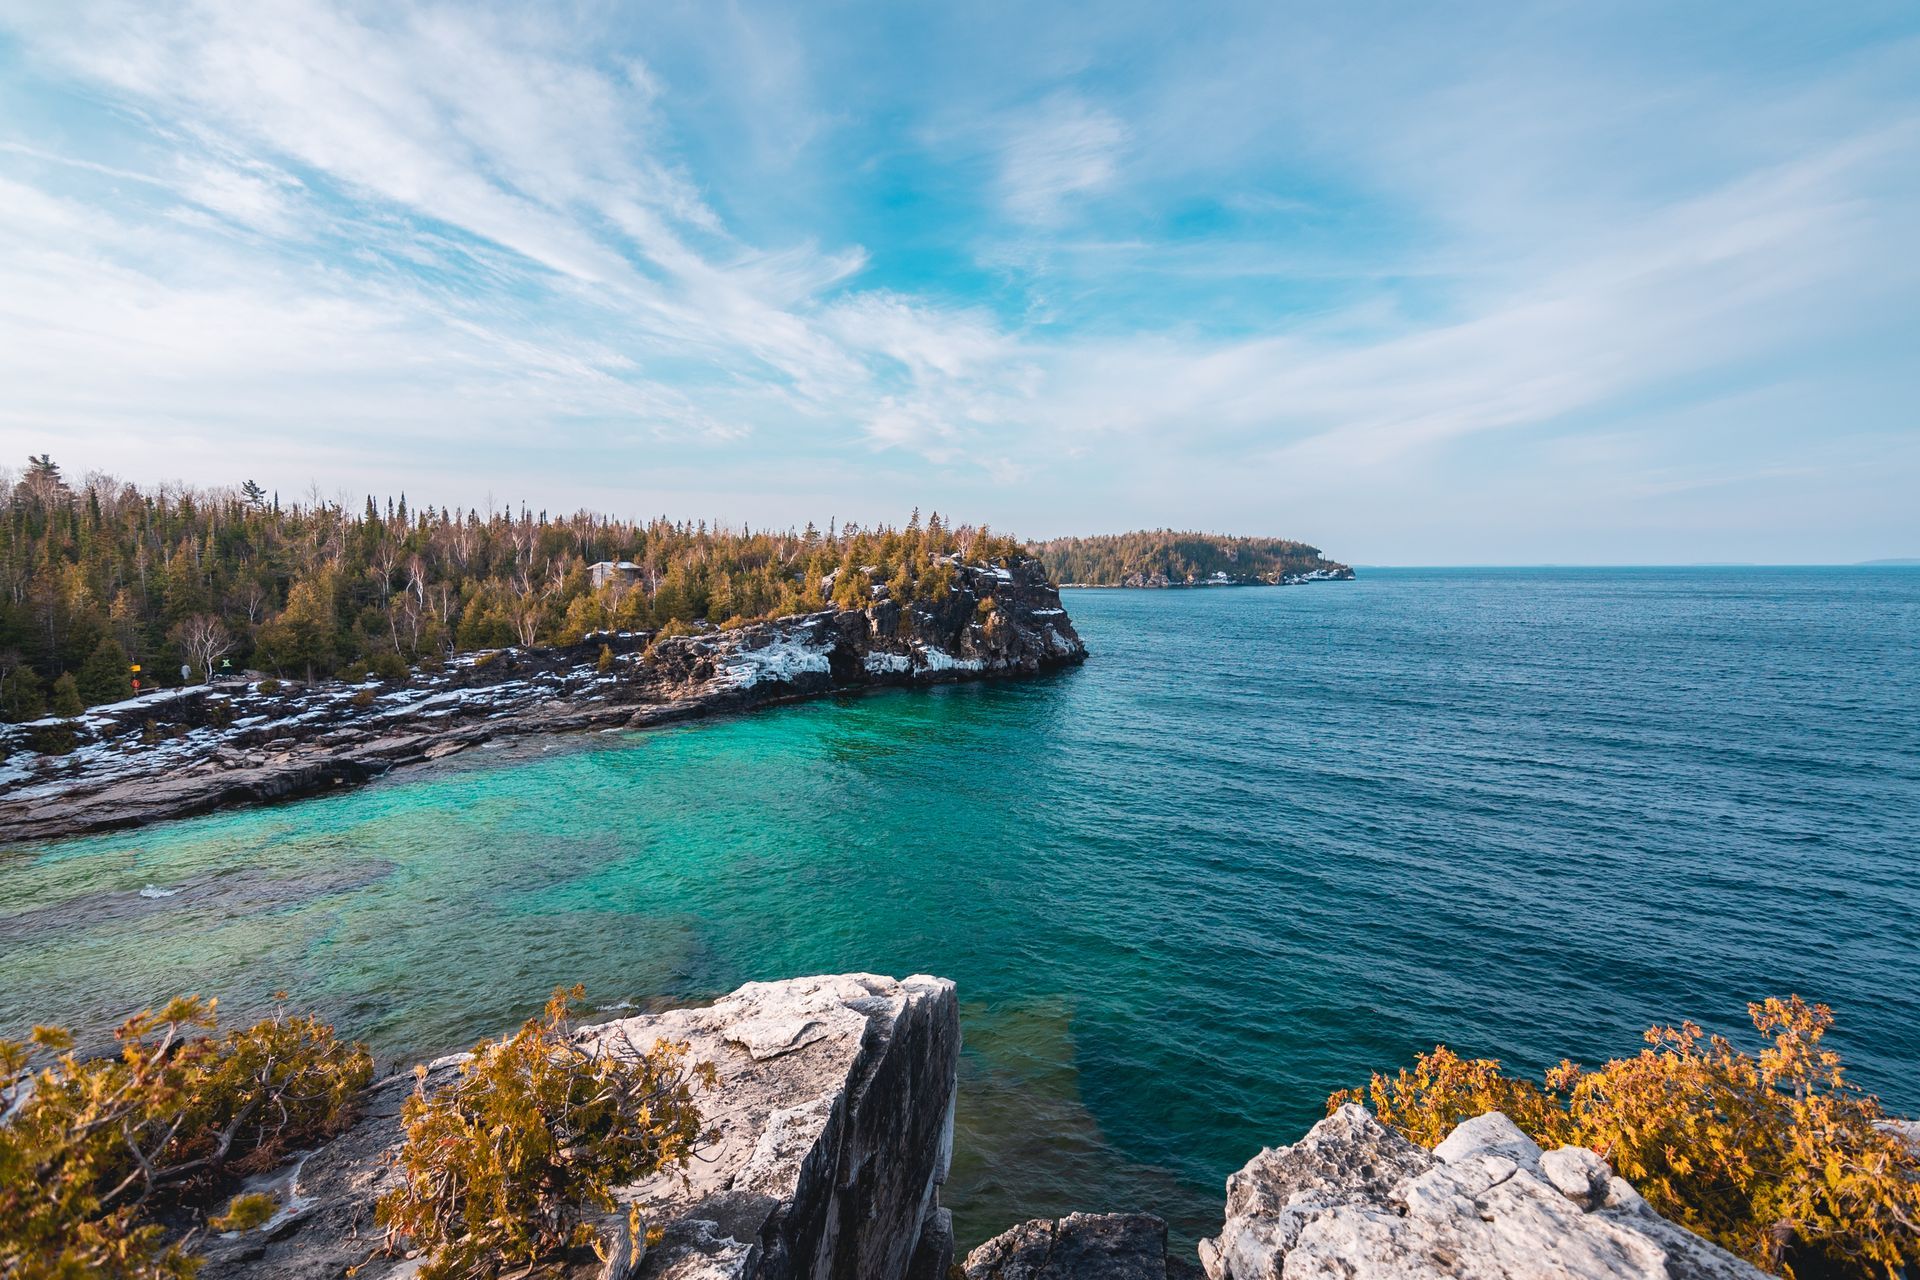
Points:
point(517, 187)
point(1064, 149)
point(1306, 262)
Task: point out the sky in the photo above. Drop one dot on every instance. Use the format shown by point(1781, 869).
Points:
point(1455, 283)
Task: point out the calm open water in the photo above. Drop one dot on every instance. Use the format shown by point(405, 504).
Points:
point(1265, 841)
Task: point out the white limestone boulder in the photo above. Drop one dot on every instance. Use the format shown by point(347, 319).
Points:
point(1356, 1201)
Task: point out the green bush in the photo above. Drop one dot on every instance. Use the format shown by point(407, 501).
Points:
point(98, 1142)
point(497, 1166)
point(390, 667)
point(1775, 1156)
point(53, 739)
point(362, 699)
point(245, 1212)
point(268, 686)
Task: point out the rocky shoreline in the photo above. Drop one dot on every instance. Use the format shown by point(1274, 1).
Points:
point(831, 1132)
point(178, 752)
point(1161, 582)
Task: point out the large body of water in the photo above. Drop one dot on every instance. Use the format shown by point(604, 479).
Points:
point(1263, 842)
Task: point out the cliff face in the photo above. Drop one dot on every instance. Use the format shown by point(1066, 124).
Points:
point(832, 1127)
point(831, 1132)
point(185, 751)
point(995, 621)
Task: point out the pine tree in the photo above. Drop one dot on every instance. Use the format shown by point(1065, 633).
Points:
point(66, 697)
point(105, 677)
point(184, 594)
point(301, 638)
point(20, 696)
point(96, 576)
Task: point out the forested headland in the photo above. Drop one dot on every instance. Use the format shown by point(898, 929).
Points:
point(1165, 557)
point(97, 575)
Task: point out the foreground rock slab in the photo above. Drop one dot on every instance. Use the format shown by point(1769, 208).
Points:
point(1080, 1246)
point(832, 1126)
point(1357, 1201)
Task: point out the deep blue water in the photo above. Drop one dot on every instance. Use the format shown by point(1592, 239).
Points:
point(1264, 842)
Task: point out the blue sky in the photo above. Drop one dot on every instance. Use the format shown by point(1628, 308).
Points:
point(1598, 283)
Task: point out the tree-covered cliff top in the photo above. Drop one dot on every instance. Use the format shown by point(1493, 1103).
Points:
point(99, 574)
point(1166, 557)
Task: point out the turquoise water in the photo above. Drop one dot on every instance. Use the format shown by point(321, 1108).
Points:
point(1264, 841)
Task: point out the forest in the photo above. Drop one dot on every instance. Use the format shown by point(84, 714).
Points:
point(99, 576)
point(1112, 560)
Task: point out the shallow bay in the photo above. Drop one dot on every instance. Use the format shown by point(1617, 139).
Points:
point(1264, 841)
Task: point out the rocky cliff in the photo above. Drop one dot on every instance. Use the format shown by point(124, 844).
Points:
point(832, 1125)
point(1357, 1201)
point(831, 1131)
point(186, 751)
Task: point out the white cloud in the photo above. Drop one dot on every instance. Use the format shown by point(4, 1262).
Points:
point(1068, 148)
point(424, 225)
point(479, 127)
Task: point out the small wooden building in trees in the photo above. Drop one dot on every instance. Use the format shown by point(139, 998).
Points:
point(606, 571)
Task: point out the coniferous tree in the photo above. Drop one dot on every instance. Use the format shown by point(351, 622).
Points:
point(20, 696)
point(66, 697)
point(105, 677)
point(94, 579)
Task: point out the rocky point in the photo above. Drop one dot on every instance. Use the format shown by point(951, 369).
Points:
point(183, 751)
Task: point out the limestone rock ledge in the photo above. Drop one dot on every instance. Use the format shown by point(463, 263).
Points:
point(1357, 1201)
point(833, 1129)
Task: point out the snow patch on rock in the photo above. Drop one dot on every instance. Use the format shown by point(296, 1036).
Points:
point(782, 661)
point(941, 660)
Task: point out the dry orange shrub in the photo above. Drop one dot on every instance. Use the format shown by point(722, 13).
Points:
point(497, 1167)
point(90, 1144)
point(1776, 1157)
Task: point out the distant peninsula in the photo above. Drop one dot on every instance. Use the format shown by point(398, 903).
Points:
point(1168, 558)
